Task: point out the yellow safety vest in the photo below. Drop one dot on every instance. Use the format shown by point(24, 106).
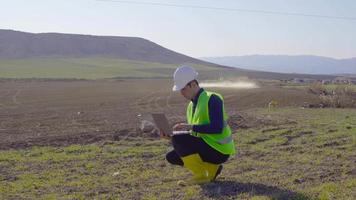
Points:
point(221, 142)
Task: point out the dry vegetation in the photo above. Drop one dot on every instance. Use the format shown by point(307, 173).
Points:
point(340, 96)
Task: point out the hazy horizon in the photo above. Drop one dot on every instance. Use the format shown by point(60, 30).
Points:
point(308, 64)
point(296, 55)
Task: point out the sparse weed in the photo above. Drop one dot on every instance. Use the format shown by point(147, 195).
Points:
point(301, 160)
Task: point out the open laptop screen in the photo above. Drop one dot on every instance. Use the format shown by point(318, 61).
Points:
point(161, 122)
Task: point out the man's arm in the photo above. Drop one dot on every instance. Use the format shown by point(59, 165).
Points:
point(216, 117)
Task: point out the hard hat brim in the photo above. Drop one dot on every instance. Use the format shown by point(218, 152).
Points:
point(176, 88)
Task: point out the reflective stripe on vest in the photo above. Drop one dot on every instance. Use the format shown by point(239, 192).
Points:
point(225, 140)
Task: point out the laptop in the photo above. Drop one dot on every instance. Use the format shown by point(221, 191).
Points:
point(162, 123)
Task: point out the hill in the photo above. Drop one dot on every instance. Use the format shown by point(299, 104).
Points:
point(105, 67)
point(289, 64)
point(16, 44)
point(58, 55)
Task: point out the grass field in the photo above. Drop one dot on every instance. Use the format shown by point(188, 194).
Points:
point(85, 68)
point(106, 67)
point(64, 139)
point(293, 154)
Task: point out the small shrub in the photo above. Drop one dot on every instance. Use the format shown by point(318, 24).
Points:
point(340, 97)
point(317, 88)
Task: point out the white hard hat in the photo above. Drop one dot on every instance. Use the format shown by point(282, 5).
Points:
point(182, 76)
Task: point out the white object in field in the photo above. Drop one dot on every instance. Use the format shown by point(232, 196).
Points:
point(147, 126)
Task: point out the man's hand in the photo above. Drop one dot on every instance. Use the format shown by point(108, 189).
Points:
point(162, 134)
point(182, 127)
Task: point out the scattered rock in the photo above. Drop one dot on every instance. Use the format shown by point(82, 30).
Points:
point(271, 129)
point(298, 180)
point(332, 130)
point(353, 172)
point(10, 178)
point(147, 155)
point(116, 137)
point(116, 174)
point(147, 126)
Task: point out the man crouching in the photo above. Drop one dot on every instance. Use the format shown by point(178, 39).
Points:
point(209, 143)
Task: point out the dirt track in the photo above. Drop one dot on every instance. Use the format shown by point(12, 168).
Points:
point(66, 112)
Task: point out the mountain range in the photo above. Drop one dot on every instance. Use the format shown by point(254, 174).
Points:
point(303, 64)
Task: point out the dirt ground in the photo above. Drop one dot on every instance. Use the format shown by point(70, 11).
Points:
point(63, 112)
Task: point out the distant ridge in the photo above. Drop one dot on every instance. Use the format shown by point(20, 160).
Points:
point(56, 51)
point(303, 64)
point(16, 44)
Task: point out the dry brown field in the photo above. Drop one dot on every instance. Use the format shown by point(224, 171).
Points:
point(63, 112)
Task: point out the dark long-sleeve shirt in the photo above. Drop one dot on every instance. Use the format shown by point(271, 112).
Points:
point(216, 116)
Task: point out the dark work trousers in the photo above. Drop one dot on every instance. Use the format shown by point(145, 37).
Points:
point(187, 144)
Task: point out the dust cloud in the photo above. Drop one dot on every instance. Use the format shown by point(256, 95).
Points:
point(230, 84)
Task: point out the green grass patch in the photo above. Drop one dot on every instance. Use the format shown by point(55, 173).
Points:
point(312, 158)
point(85, 68)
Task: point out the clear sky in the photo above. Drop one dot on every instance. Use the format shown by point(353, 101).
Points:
point(199, 32)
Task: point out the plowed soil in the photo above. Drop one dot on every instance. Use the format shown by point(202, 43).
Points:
point(60, 113)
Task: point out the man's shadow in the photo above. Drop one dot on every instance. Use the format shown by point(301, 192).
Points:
point(225, 189)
